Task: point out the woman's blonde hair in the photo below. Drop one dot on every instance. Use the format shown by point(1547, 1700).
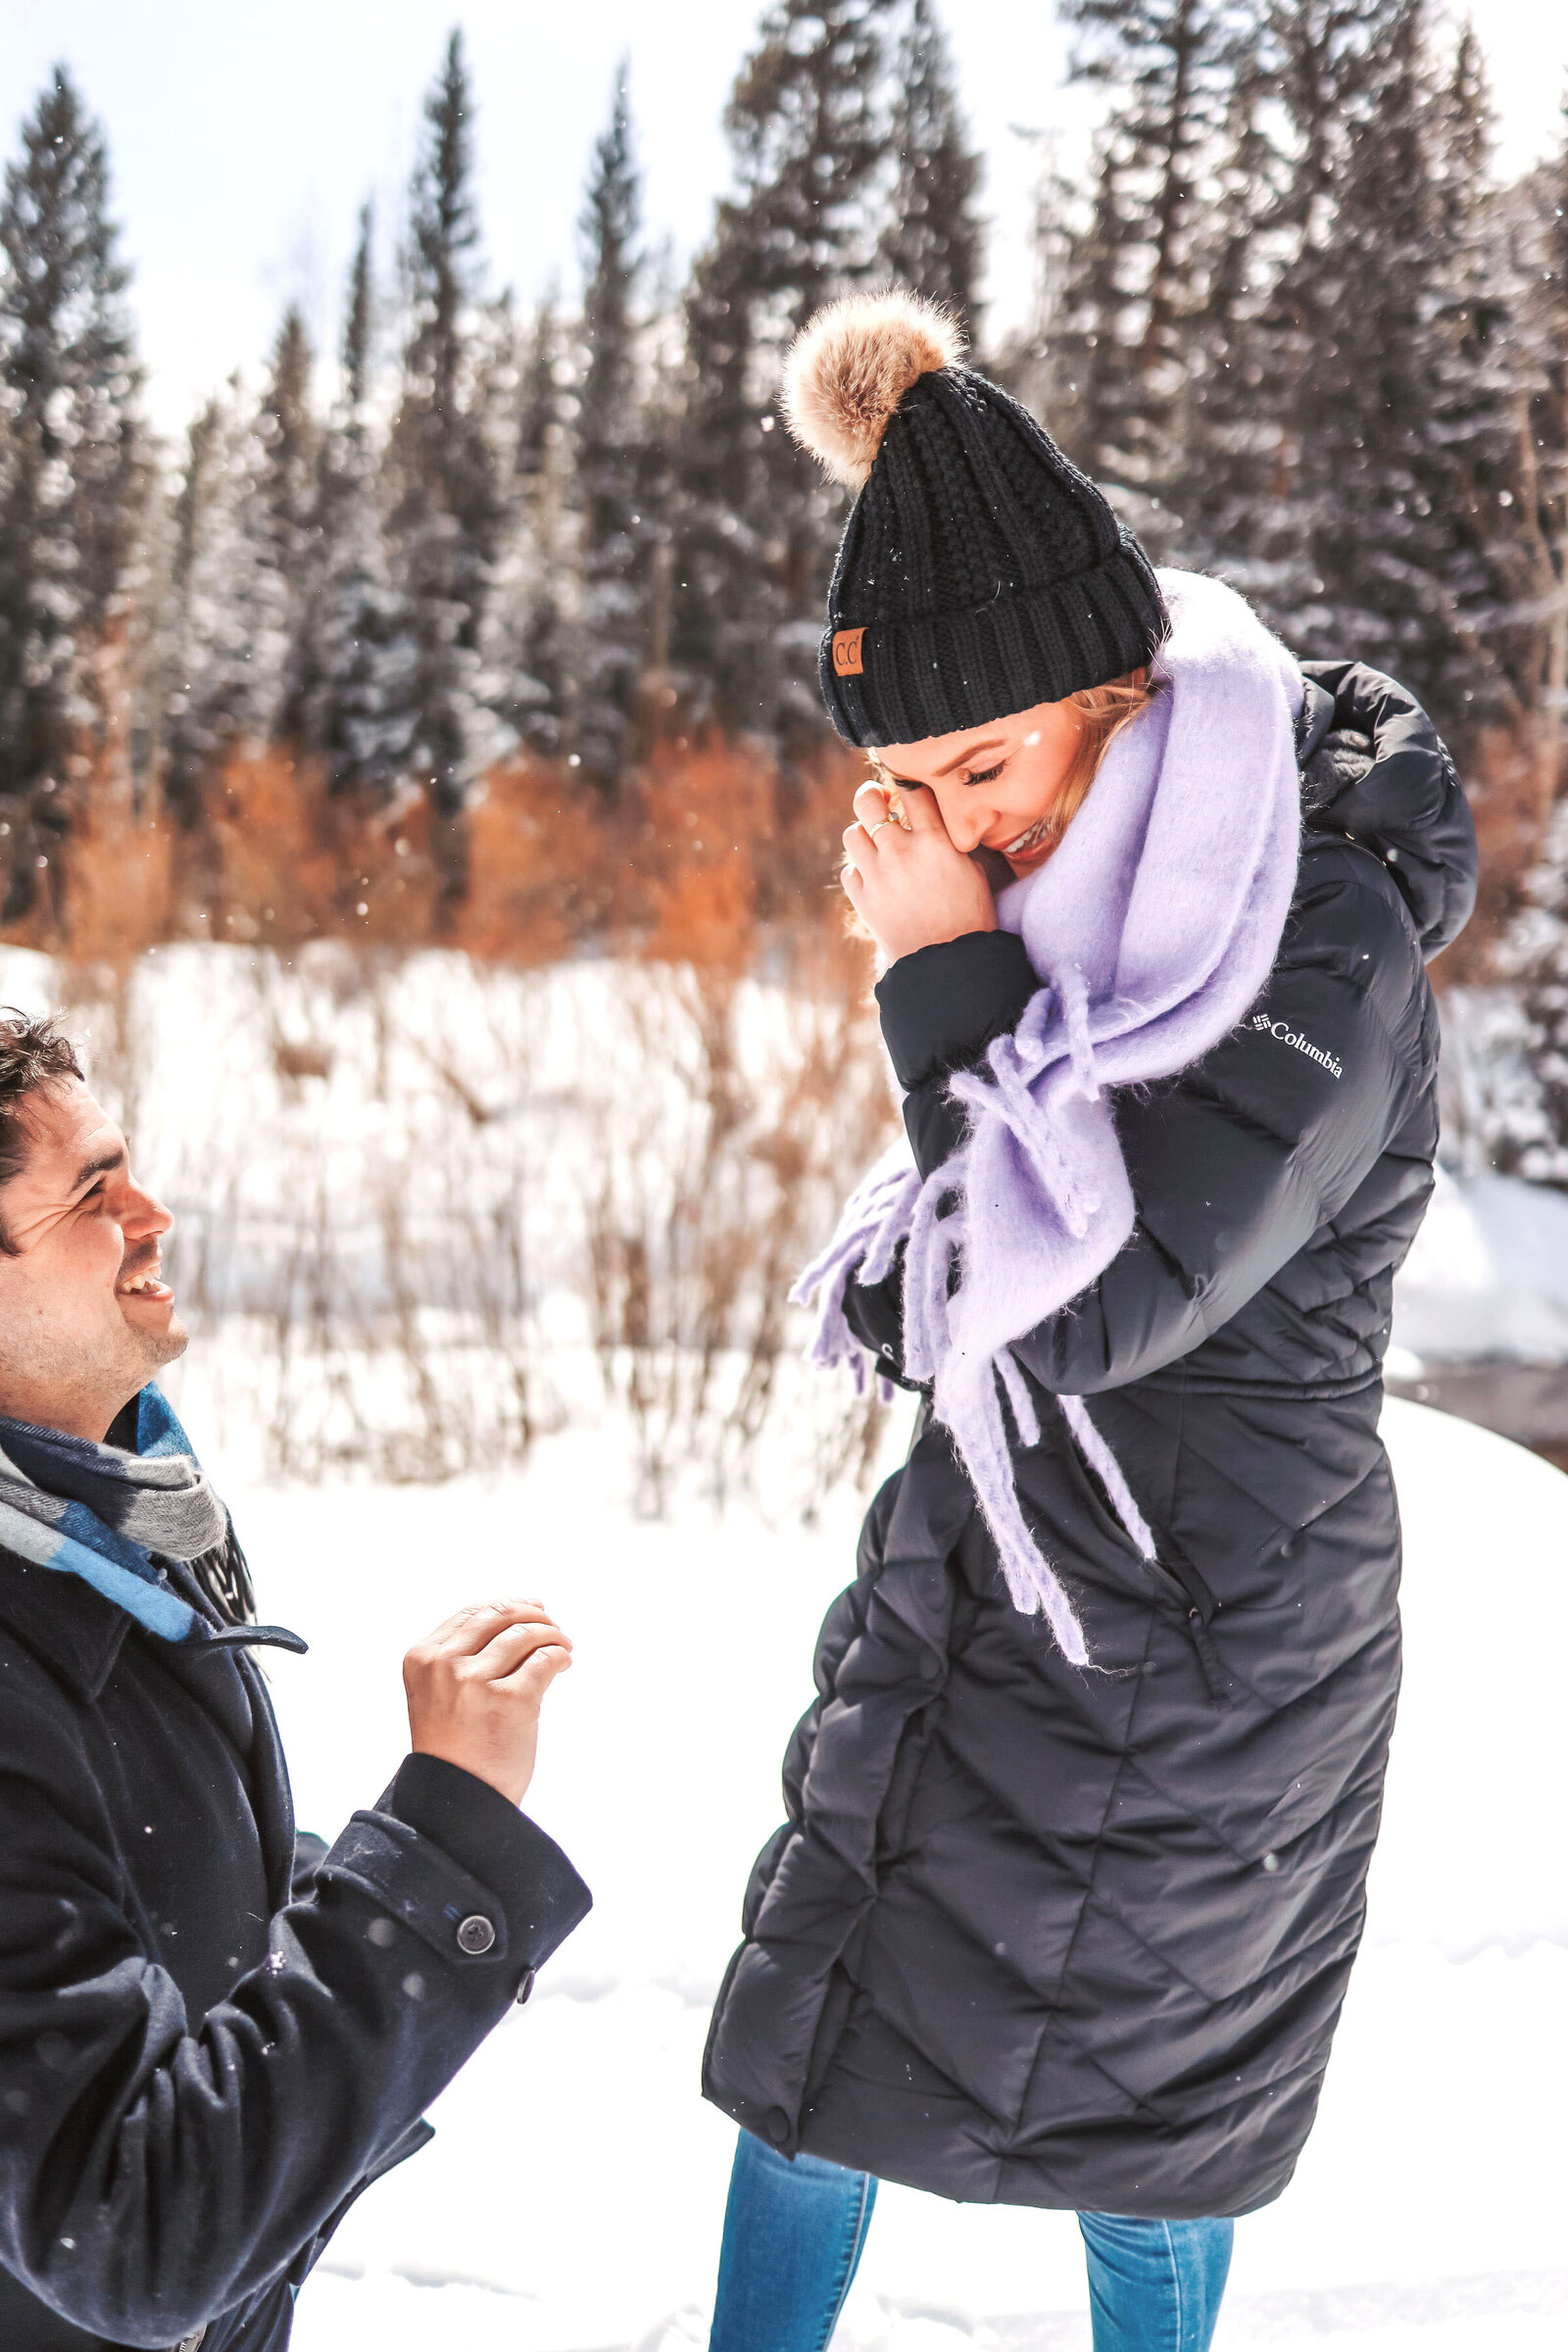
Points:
point(1104, 712)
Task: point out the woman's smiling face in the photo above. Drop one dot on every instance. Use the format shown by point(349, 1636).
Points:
point(995, 785)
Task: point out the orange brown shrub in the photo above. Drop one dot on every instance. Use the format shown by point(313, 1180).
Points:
point(712, 851)
point(540, 870)
point(119, 886)
point(279, 858)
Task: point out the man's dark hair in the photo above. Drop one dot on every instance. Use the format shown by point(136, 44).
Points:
point(33, 1055)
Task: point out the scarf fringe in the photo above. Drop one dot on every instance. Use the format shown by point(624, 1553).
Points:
point(1104, 1462)
point(1033, 1584)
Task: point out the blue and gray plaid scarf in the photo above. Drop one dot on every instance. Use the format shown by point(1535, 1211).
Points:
point(102, 1512)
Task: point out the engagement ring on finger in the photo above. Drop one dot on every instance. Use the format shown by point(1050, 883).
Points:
point(873, 830)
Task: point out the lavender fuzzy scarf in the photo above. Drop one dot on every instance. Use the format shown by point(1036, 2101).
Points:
point(1151, 931)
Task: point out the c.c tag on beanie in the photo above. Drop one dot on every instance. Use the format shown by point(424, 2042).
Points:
point(846, 661)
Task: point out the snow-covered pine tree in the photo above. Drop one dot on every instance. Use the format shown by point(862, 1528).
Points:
point(530, 652)
point(809, 129)
point(934, 239)
point(727, 608)
point(1406, 402)
point(539, 394)
point(72, 475)
point(1535, 215)
point(355, 660)
point(612, 620)
point(220, 700)
point(448, 514)
point(1035, 361)
point(281, 524)
point(1169, 68)
point(1081, 355)
point(1230, 500)
point(662, 422)
point(1528, 1126)
point(1471, 464)
point(1272, 298)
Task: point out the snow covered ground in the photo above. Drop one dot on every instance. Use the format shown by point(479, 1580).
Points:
point(574, 2197)
point(355, 1148)
point(1488, 1275)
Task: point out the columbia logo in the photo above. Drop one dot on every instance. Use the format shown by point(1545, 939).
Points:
point(1293, 1036)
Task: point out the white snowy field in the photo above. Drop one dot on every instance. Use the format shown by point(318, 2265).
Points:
point(1488, 1274)
point(573, 2200)
point(430, 1211)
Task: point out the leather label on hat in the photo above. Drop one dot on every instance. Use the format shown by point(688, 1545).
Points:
point(846, 661)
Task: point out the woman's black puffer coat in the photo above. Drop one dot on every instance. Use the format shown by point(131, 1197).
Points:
point(1043, 1936)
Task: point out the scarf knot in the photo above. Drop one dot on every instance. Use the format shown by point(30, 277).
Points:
point(112, 1517)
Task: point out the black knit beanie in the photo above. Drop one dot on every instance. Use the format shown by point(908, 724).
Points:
point(979, 572)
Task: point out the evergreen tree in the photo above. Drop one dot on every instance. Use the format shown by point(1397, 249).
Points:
point(282, 526)
point(1036, 363)
point(727, 605)
point(613, 649)
point(662, 422)
point(71, 470)
point(934, 239)
point(1317, 57)
point(1537, 230)
point(224, 601)
point(1529, 1127)
point(1170, 65)
point(290, 440)
point(808, 124)
point(1470, 474)
point(539, 395)
point(532, 658)
point(809, 129)
point(354, 658)
point(1405, 424)
point(1095, 321)
point(1230, 488)
point(1370, 535)
point(449, 513)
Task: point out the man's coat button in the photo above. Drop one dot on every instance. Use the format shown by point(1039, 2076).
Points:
point(778, 2125)
point(476, 1935)
point(526, 1986)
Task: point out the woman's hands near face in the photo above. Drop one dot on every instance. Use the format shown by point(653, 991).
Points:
point(906, 882)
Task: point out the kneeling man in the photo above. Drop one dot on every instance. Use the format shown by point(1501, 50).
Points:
point(205, 2049)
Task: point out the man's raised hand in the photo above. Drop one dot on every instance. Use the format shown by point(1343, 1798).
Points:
point(475, 1688)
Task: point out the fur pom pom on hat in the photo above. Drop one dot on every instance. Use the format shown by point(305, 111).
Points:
point(848, 369)
point(979, 572)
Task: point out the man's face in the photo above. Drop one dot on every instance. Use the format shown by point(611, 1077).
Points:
point(85, 1319)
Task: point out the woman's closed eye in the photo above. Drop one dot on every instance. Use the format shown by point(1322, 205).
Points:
point(986, 775)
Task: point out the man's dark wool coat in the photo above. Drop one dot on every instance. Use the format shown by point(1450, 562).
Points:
point(1042, 1937)
point(199, 2068)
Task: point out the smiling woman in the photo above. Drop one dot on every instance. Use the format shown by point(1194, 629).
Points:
point(1062, 1913)
point(1035, 766)
point(1012, 788)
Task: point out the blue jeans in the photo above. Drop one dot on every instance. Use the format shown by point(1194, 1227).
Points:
point(794, 2233)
